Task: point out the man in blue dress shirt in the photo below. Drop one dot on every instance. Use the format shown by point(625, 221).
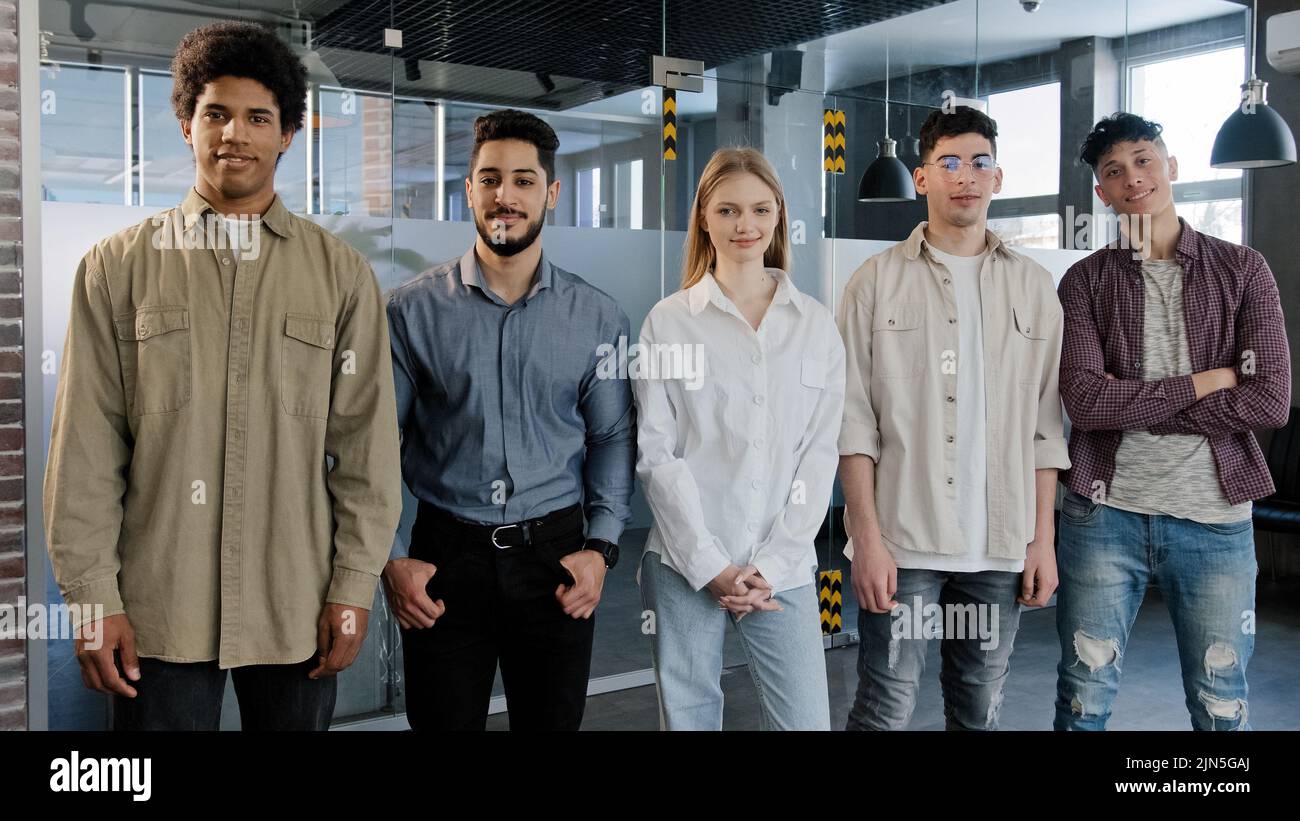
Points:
point(511, 436)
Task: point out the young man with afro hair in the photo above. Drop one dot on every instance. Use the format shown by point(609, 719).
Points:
point(221, 490)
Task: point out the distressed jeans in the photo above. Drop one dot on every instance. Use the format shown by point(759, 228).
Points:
point(974, 614)
point(1206, 574)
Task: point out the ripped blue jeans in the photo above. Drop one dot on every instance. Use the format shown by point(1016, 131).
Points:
point(974, 616)
point(1205, 572)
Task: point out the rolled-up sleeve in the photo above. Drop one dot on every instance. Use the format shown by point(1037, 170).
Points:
point(1050, 450)
point(860, 431)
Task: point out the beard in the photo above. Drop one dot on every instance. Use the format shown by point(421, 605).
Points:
point(508, 247)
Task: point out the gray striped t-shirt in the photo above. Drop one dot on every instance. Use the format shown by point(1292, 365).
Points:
point(1174, 475)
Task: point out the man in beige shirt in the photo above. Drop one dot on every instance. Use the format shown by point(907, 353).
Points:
point(951, 441)
point(223, 469)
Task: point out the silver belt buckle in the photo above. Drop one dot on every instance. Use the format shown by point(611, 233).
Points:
point(494, 535)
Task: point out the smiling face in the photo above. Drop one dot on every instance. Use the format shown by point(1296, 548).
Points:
point(741, 217)
point(509, 195)
point(1136, 177)
point(964, 201)
point(236, 136)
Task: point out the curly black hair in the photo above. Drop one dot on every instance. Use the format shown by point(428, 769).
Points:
point(962, 120)
point(239, 50)
point(512, 124)
point(1120, 127)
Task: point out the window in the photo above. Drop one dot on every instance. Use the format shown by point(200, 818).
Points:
point(1191, 96)
point(1029, 139)
point(1032, 231)
point(85, 141)
point(588, 193)
point(628, 194)
point(355, 153)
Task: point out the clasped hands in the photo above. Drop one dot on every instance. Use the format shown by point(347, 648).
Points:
point(742, 590)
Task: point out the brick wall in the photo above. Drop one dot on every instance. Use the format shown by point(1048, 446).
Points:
point(13, 658)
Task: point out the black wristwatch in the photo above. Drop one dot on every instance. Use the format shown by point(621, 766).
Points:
point(608, 550)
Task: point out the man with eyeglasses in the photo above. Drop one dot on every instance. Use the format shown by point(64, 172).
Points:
point(952, 409)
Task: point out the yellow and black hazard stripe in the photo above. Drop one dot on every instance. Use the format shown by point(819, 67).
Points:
point(833, 141)
point(670, 124)
point(830, 598)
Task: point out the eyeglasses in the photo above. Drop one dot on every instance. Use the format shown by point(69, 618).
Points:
point(982, 167)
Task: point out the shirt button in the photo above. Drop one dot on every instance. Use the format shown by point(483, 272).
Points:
point(755, 484)
point(947, 281)
point(225, 260)
point(753, 528)
point(758, 443)
point(950, 440)
point(756, 358)
point(891, 322)
point(950, 480)
point(952, 319)
point(143, 329)
point(952, 399)
point(758, 400)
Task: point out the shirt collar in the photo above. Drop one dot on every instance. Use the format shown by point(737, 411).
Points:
point(470, 275)
point(912, 245)
point(1188, 247)
point(277, 217)
point(707, 290)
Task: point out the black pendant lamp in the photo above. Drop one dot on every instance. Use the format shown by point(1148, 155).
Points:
point(886, 179)
point(1255, 135)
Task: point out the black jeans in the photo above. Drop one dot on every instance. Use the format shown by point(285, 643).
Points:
point(501, 607)
point(187, 696)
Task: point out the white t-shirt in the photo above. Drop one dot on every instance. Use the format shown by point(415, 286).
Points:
point(972, 452)
point(236, 230)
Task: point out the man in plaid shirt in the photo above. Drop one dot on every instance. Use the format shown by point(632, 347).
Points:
point(1174, 350)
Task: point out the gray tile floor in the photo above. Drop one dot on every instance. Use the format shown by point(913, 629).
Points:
point(1150, 698)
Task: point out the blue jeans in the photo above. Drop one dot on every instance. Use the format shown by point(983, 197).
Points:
point(784, 650)
point(1206, 574)
point(976, 616)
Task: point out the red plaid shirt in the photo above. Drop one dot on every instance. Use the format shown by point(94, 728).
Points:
point(1234, 319)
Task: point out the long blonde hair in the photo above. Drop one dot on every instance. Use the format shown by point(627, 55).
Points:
point(701, 256)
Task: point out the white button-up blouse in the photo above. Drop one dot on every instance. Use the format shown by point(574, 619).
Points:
point(737, 431)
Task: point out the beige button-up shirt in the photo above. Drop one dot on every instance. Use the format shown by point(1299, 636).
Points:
point(200, 393)
point(898, 317)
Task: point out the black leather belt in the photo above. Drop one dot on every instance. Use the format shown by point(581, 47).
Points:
point(526, 533)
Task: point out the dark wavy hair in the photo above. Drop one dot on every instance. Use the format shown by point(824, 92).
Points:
point(1120, 127)
point(239, 50)
point(511, 124)
point(962, 120)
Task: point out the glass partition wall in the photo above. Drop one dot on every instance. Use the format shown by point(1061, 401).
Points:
point(394, 91)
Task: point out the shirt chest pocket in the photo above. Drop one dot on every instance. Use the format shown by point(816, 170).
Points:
point(306, 365)
point(155, 359)
point(1030, 345)
point(897, 340)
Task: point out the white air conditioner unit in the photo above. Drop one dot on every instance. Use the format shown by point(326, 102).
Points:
point(1283, 42)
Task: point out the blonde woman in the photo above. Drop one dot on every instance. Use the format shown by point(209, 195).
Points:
point(737, 430)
